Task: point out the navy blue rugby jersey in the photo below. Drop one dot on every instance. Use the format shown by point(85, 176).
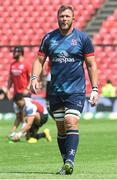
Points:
point(67, 54)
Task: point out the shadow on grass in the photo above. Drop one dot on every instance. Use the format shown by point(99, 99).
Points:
point(39, 172)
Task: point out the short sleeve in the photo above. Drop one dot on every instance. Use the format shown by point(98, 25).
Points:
point(44, 45)
point(15, 107)
point(88, 47)
point(31, 111)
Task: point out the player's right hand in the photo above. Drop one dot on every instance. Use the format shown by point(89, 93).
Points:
point(35, 86)
point(11, 135)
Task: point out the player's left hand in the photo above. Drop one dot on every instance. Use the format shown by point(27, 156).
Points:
point(94, 96)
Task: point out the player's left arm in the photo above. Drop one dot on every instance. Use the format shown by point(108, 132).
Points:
point(92, 70)
point(28, 125)
point(93, 76)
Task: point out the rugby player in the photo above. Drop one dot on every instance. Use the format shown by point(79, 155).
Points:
point(34, 115)
point(67, 49)
point(19, 74)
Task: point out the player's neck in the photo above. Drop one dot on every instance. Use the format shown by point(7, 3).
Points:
point(21, 59)
point(66, 32)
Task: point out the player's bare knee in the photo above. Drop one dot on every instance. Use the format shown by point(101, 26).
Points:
point(60, 127)
point(71, 119)
point(71, 126)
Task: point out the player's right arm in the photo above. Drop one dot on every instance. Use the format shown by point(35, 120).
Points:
point(15, 126)
point(17, 122)
point(36, 73)
point(9, 84)
point(19, 117)
point(38, 64)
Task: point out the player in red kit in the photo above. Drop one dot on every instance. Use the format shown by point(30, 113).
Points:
point(20, 70)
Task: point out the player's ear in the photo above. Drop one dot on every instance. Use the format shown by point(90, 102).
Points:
point(73, 18)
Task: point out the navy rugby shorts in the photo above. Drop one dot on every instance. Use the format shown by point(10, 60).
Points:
point(70, 101)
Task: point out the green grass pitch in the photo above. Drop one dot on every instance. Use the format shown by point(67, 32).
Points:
point(96, 157)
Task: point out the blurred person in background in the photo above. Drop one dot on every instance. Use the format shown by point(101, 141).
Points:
point(33, 116)
point(3, 95)
point(67, 49)
point(108, 90)
point(19, 75)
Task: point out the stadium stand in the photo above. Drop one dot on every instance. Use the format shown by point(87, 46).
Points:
point(107, 53)
point(25, 22)
point(20, 18)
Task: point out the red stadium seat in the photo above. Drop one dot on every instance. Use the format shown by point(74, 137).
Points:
point(20, 12)
point(97, 3)
point(107, 61)
point(97, 39)
point(25, 22)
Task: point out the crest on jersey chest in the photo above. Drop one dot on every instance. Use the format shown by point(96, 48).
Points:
point(74, 42)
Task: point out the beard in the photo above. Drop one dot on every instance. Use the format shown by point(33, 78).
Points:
point(65, 27)
point(16, 57)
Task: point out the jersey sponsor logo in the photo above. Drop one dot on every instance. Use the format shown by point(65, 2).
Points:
point(63, 57)
point(16, 72)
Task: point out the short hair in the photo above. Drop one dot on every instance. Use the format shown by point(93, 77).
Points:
point(18, 97)
point(108, 81)
point(2, 91)
point(64, 7)
point(19, 49)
